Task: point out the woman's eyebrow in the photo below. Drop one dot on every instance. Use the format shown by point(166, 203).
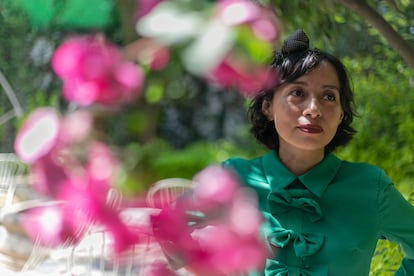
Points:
point(330, 86)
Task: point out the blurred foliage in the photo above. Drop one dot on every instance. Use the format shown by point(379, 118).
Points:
point(71, 14)
point(182, 125)
point(385, 133)
point(158, 160)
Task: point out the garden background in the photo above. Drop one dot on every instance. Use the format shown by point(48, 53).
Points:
point(183, 124)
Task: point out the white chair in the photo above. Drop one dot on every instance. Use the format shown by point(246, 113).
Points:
point(17, 109)
point(166, 191)
point(15, 247)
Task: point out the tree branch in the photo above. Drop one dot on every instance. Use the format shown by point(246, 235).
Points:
point(384, 28)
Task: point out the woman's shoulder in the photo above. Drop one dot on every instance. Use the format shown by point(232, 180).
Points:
point(361, 166)
point(239, 160)
point(243, 163)
point(364, 170)
point(247, 168)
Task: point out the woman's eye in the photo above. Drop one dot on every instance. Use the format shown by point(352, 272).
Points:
point(296, 93)
point(330, 97)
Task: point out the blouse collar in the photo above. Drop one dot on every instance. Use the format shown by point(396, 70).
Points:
point(315, 180)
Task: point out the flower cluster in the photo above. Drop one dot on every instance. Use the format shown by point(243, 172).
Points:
point(93, 71)
point(210, 236)
point(228, 47)
point(79, 182)
point(78, 172)
point(235, 70)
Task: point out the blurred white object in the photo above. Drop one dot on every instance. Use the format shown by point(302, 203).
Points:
point(17, 109)
point(15, 247)
point(93, 255)
point(166, 191)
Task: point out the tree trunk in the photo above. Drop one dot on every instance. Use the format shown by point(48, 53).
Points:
point(126, 10)
point(384, 28)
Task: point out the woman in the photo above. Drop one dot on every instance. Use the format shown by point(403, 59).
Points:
point(324, 215)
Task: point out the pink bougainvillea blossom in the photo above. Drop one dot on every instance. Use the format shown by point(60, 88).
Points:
point(63, 170)
point(38, 135)
point(76, 126)
point(93, 71)
point(246, 12)
point(101, 163)
point(229, 252)
point(218, 191)
point(212, 244)
point(266, 27)
point(157, 269)
point(148, 52)
point(50, 227)
point(45, 141)
point(245, 78)
point(87, 198)
point(143, 7)
point(235, 12)
point(48, 174)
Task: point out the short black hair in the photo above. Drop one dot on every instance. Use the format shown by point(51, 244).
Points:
point(288, 69)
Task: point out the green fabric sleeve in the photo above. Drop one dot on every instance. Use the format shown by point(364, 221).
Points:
point(397, 223)
point(406, 268)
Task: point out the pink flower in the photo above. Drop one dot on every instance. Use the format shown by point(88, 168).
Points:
point(144, 7)
point(38, 135)
point(148, 52)
point(229, 252)
point(50, 226)
point(101, 163)
point(45, 142)
point(245, 78)
point(236, 12)
point(158, 58)
point(246, 12)
point(208, 243)
point(214, 191)
point(38, 143)
point(48, 174)
point(157, 269)
point(76, 126)
point(93, 71)
point(88, 204)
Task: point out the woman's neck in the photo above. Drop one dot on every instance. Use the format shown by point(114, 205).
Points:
point(300, 161)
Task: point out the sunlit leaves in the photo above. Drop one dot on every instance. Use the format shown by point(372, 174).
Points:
point(170, 24)
point(67, 13)
point(226, 44)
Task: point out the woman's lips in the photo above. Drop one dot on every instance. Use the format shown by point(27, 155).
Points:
point(310, 128)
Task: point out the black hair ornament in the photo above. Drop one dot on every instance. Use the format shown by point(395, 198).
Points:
point(293, 47)
point(296, 42)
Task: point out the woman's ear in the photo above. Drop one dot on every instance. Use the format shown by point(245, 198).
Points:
point(341, 117)
point(267, 110)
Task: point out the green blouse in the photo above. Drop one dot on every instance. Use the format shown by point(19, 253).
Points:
point(328, 220)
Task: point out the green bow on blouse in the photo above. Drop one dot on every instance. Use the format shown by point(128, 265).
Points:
point(282, 201)
point(305, 244)
point(275, 268)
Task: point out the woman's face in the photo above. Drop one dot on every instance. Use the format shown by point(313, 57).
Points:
point(307, 111)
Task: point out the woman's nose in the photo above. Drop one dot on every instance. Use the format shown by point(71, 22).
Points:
point(312, 109)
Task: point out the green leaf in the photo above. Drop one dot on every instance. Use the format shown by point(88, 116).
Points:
point(81, 14)
point(86, 14)
point(339, 19)
point(40, 12)
point(154, 92)
point(257, 50)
